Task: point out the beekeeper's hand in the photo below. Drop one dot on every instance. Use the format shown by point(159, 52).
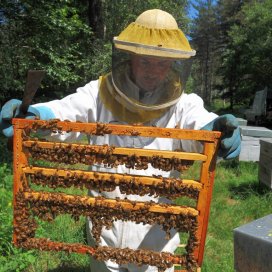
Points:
point(11, 109)
point(230, 145)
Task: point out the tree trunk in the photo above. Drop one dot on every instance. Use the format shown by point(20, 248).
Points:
point(96, 18)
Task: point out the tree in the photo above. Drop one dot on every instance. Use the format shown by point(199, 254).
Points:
point(204, 35)
point(250, 50)
point(71, 40)
point(95, 17)
point(49, 35)
point(228, 15)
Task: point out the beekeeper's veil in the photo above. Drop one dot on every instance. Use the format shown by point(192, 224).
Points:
point(149, 70)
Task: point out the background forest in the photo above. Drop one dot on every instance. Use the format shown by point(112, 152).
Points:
point(71, 40)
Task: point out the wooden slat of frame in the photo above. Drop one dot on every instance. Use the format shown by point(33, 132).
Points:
point(205, 196)
point(112, 203)
point(108, 176)
point(19, 159)
point(91, 128)
point(122, 151)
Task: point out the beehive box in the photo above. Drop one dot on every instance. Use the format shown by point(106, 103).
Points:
point(265, 163)
point(48, 202)
point(250, 145)
point(253, 246)
point(241, 121)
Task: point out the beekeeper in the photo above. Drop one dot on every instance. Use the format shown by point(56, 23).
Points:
point(149, 70)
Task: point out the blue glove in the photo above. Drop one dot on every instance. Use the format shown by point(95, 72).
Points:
point(12, 109)
point(230, 145)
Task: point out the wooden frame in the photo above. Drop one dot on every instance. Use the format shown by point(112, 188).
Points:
point(24, 196)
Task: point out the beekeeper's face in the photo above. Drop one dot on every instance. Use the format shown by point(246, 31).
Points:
point(149, 72)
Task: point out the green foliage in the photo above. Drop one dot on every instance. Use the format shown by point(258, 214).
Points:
point(232, 39)
point(17, 261)
point(119, 14)
point(233, 44)
point(247, 60)
point(6, 156)
point(49, 35)
point(56, 36)
point(101, 64)
point(5, 210)
point(254, 35)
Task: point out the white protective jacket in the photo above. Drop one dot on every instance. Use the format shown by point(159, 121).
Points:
point(86, 106)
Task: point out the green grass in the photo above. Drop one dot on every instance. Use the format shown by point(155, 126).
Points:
point(62, 229)
point(237, 199)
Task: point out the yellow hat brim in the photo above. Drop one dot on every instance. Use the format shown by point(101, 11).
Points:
point(168, 43)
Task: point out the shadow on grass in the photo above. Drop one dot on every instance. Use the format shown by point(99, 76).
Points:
point(66, 268)
point(6, 155)
point(245, 190)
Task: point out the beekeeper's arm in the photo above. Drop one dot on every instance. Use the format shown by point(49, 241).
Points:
point(195, 116)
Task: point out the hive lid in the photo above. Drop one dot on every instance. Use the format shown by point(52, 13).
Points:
point(256, 131)
point(261, 228)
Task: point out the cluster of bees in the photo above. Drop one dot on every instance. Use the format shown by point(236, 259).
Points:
point(170, 188)
point(71, 154)
point(53, 125)
point(47, 244)
point(47, 208)
point(102, 129)
point(26, 225)
point(162, 260)
point(50, 125)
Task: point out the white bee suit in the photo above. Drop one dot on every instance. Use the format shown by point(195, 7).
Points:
point(85, 106)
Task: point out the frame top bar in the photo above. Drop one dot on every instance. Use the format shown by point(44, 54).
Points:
point(129, 130)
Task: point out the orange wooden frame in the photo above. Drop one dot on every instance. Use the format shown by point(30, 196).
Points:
point(210, 140)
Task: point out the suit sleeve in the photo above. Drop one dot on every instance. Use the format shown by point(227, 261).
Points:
point(80, 106)
point(191, 114)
